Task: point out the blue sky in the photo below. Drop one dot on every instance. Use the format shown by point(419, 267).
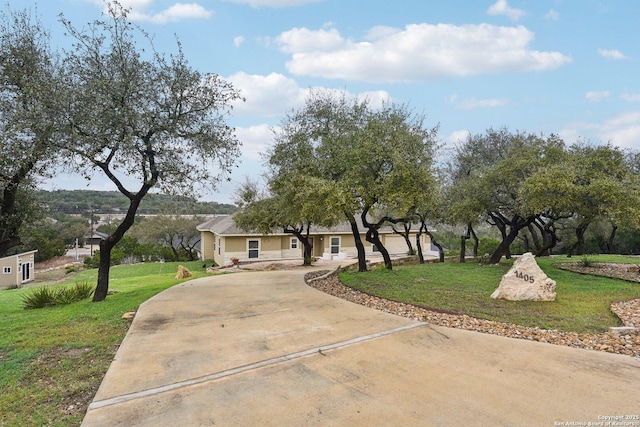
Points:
point(544, 66)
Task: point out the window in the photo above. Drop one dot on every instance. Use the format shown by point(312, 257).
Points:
point(253, 248)
point(6, 270)
point(294, 243)
point(218, 246)
point(335, 245)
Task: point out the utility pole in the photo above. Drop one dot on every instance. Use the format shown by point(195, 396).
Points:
point(91, 230)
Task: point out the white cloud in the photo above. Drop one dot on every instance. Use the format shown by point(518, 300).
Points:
point(238, 40)
point(611, 54)
point(501, 7)
point(419, 52)
point(472, 103)
point(552, 15)
point(270, 95)
point(622, 130)
point(138, 11)
point(275, 3)
point(597, 96)
point(255, 140)
point(631, 97)
point(303, 39)
point(275, 94)
point(458, 136)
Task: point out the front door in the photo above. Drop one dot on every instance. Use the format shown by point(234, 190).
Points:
point(26, 272)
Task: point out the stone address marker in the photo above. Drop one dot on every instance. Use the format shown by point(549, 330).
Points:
point(526, 281)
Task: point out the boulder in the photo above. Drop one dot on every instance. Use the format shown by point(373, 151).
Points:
point(183, 272)
point(526, 281)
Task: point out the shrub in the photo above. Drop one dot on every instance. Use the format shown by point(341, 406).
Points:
point(47, 296)
point(39, 298)
point(488, 245)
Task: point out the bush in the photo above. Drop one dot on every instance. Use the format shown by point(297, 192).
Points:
point(39, 298)
point(487, 245)
point(48, 296)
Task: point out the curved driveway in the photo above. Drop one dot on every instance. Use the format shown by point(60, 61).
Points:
point(264, 349)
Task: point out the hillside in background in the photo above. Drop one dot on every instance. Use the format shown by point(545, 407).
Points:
point(112, 202)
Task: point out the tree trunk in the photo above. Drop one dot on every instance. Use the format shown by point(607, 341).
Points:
point(578, 246)
point(463, 248)
point(610, 241)
point(419, 246)
point(362, 258)
point(304, 239)
point(103, 270)
point(503, 247)
point(176, 255)
point(405, 234)
point(373, 237)
point(107, 244)
point(476, 241)
point(534, 237)
point(580, 243)
point(549, 237)
point(436, 244)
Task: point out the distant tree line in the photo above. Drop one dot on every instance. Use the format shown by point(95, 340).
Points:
point(113, 202)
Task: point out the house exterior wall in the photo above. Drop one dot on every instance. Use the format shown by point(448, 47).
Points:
point(12, 267)
point(237, 244)
point(207, 245)
point(8, 272)
point(222, 249)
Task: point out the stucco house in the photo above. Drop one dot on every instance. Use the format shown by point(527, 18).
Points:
point(17, 269)
point(221, 240)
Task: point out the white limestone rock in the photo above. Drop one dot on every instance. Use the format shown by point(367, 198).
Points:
point(525, 281)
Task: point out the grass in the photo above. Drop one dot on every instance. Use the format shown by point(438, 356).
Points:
point(582, 302)
point(53, 359)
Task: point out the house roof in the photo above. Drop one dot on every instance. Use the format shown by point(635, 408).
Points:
point(224, 225)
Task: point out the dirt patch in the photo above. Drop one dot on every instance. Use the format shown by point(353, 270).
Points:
point(54, 270)
point(55, 263)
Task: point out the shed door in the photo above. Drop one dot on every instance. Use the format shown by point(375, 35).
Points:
point(26, 271)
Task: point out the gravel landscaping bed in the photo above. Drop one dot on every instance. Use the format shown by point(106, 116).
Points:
point(612, 342)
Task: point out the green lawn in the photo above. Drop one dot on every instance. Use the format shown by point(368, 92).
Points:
point(52, 360)
point(582, 303)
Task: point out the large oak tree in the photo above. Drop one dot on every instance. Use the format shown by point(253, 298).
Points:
point(371, 159)
point(29, 119)
point(142, 119)
point(489, 171)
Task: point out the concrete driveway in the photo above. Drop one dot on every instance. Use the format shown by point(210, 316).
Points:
point(264, 349)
